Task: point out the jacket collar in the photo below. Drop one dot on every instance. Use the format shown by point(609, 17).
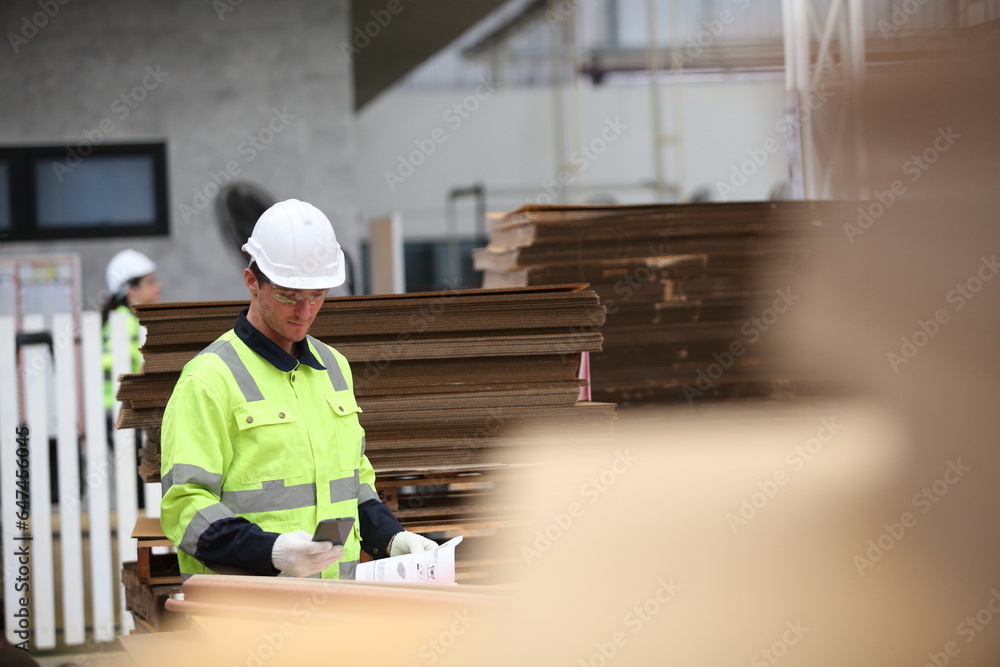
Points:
point(269, 351)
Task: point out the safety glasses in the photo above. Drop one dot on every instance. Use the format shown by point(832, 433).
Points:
point(295, 297)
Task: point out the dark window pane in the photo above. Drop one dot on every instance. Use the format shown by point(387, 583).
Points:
point(5, 221)
point(99, 191)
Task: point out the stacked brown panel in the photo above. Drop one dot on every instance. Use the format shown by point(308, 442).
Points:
point(151, 580)
point(441, 378)
point(682, 284)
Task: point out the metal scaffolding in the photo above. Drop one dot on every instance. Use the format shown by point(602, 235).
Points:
point(829, 81)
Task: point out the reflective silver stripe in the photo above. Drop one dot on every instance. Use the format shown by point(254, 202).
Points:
point(365, 493)
point(345, 488)
point(202, 519)
point(347, 568)
point(364, 445)
point(166, 481)
point(273, 496)
point(244, 380)
point(185, 473)
point(332, 367)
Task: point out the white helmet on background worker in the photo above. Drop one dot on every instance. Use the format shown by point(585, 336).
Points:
point(125, 267)
point(295, 246)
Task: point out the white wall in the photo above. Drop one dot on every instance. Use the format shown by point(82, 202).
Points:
point(507, 142)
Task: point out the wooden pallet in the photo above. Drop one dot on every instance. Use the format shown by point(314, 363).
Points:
point(147, 602)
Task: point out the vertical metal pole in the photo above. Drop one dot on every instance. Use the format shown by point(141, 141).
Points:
point(855, 18)
point(677, 96)
point(801, 37)
point(655, 118)
point(558, 110)
point(576, 118)
point(793, 142)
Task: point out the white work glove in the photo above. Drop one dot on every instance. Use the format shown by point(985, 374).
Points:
point(296, 554)
point(408, 543)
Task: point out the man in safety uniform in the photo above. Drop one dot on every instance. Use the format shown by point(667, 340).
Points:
point(260, 439)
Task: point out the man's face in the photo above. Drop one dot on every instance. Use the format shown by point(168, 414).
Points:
point(283, 315)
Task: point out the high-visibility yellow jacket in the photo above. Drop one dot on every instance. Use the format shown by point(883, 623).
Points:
point(251, 450)
point(133, 337)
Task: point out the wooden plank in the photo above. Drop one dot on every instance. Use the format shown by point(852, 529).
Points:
point(37, 370)
point(68, 461)
point(98, 469)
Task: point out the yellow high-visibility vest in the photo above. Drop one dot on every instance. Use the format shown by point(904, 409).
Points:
point(133, 337)
point(281, 449)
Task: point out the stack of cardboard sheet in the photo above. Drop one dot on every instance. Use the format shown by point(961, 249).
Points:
point(442, 378)
point(151, 580)
point(690, 289)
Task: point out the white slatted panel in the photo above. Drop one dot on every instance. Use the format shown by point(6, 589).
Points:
point(37, 368)
point(68, 461)
point(153, 495)
point(104, 579)
point(8, 457)
point(126, 505)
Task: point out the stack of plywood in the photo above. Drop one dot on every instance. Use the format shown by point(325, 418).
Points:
point(690, 289)
point(441, 378)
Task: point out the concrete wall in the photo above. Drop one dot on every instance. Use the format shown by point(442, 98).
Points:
point(224, 76)
point(506, 139)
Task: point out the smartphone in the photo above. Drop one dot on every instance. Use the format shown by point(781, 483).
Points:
point(334, 530)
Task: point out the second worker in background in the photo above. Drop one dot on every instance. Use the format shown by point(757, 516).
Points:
point(261, 439)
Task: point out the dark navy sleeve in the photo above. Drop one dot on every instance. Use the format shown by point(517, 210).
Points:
point(378, 525)
point(234, 545)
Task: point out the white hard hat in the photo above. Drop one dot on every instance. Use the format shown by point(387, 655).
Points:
point(295, 246)
point(126, 266)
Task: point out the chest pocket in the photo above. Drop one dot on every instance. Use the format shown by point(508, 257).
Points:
point(347, 428)
point(270, 442)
